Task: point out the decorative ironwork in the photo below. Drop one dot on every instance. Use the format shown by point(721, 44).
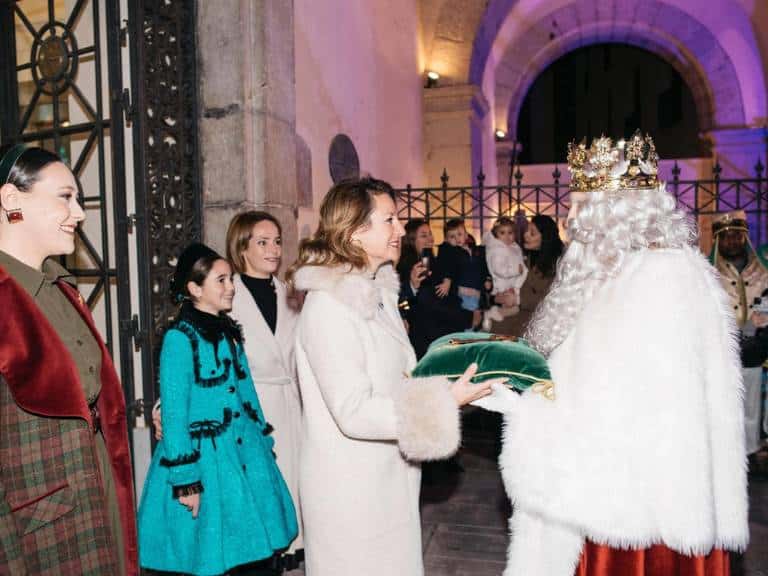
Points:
point(168, 199)
point(482, 204)
point(54, 58)
point(54, 63)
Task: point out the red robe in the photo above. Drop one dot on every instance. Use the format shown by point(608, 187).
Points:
point(43, 380)
point(658, 560)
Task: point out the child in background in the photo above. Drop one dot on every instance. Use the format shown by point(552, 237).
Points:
point(506, 265)
point(461, 266)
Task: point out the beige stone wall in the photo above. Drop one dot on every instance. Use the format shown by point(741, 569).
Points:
point(357, 72)
point(247, 114)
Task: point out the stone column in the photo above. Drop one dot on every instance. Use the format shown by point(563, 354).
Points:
point(453, 122)
point(247, 114)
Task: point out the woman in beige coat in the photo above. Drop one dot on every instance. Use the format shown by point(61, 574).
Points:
point(262, 307)
point(366, 424)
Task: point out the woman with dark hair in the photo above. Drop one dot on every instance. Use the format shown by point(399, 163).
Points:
point(214, 500)
point(543, 248)
point(429, 316)
point(366, 423)
point(66, 489)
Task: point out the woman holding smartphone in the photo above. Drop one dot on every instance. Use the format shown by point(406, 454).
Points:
point(429, 316)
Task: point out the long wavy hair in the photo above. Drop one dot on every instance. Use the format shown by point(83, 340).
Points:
point(346, 208)
point(608, 227)
point(545, 258)
point(408, 254)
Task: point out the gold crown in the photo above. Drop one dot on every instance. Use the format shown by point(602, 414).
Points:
point(733, 220)
point(631, 164)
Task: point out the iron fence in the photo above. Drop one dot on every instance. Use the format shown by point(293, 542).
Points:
point(480, 205)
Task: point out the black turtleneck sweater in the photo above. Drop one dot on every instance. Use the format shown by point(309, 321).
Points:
point(263, 291)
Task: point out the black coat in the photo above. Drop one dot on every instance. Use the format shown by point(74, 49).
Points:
point(754, 349)
point(430, 317)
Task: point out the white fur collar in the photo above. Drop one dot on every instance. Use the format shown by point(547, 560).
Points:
point(352, 287)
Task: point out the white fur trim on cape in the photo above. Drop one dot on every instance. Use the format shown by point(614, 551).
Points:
point(354, 288)
point(429, 426)
point(644, 441)
point(542, 548)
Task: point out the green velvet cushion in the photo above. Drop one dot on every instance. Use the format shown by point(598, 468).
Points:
point(496, 357)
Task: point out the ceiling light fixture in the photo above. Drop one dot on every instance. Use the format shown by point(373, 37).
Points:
point(432, 78)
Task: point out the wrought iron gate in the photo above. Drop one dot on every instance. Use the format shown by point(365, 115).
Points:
point(480, 204)
point(60, 65)
point(169, 201)
point(62, 70)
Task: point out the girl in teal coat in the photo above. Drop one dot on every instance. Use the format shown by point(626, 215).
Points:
point(214, 498)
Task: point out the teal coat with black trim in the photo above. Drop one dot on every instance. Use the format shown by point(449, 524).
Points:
point(216, 442)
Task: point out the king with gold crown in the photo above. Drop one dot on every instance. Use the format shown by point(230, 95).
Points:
point(636, 466)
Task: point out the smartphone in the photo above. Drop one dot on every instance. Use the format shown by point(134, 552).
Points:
point(426, 254)
point(760, 305)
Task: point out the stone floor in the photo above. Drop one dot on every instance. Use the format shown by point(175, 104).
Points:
point(464, 513)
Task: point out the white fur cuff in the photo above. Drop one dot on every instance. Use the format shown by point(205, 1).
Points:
point(427, 419)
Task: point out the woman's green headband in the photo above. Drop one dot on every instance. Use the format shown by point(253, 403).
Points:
point(9, 161)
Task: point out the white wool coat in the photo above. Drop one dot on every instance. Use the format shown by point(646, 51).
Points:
point(644, 441)
point(272, 363)
point(505, 263)
point(365, 425)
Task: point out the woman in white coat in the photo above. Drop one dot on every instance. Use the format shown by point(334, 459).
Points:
point(261, 305)
point(366, 424)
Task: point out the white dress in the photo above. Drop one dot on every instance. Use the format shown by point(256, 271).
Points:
point(505, 263)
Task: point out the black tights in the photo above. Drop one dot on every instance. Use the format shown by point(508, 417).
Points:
point(266, 567)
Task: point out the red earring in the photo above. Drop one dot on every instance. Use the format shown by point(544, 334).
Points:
point(14, 216)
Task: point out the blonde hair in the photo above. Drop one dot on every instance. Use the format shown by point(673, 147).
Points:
point(239, 234)
point(346, 208)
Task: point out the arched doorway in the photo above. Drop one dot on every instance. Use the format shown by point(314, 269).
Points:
point(611, 89)
point(518, 39)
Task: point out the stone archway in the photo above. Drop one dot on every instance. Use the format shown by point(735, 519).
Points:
point(715, 50)
point(710, 76)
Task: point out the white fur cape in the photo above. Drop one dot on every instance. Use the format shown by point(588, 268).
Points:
point(644, 442)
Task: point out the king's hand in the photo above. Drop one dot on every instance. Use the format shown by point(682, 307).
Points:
point(501, 399)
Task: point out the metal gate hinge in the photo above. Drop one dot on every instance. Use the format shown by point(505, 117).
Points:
point(124, 33)
point(131, 221)
point(139, 408)
point(132, 328)
point(127, 106)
